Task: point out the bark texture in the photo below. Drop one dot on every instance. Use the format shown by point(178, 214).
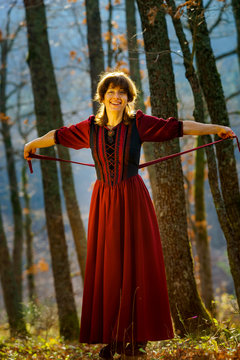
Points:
point(47, 109)
point(169, 195)
point(94, 35)
point(213, 92)
point(11, 170)
point(203, 248)
point(73, 210)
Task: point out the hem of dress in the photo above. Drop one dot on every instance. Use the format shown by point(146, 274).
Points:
point(142, 340)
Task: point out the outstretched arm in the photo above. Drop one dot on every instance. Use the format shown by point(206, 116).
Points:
point(195, 128)
point(41, 142)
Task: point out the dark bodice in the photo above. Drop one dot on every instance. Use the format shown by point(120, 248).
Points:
point(118, 160)
point(117, 157)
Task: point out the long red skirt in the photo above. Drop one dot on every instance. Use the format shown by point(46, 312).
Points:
point(125, 294)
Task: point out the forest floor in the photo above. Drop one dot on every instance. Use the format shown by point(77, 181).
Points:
point(224, 345)
point(43, 342)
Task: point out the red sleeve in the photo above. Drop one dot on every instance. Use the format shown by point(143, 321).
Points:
point(75, 136)
point(151, 128)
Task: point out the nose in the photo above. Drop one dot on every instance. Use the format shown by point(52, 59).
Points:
point(116, 94)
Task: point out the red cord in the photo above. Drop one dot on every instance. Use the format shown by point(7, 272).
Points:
point(43, 157)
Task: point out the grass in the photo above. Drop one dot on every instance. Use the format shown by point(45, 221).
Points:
point(44, 342)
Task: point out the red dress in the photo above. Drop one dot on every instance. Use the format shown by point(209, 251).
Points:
point(125, 293)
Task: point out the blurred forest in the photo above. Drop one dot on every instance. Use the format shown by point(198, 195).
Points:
point(48, 80)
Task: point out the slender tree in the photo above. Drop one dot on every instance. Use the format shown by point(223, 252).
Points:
point(236, 13)
point(6, 44)
point(47, 109)
point(202, 241)
point(170, 198)
point(27, 220)
point(110, 26)
point(11, 295)
point(94, 36)
point(134, 65)
point(32, 295)
point(214, 96)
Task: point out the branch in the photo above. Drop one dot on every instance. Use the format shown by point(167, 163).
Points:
point(237, 112)
point(208, 4)
point(17, 87)
point(10, 43)
point(219, 19)
point(14, 106)
point(236, 93)
point(229, 53)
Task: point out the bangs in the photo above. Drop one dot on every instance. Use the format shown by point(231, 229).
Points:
point(116, 80)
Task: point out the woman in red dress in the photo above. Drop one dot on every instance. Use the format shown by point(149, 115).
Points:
point(125, 299)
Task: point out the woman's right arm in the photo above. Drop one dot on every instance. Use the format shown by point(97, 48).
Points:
point(41, 142)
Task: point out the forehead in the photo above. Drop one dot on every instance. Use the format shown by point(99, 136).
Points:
point(116, 87)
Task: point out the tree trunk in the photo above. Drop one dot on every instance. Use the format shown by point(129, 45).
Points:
point(94, 35)
point(73, 211)
point(32, 295)
point(134, 65)
point(12, 176)
point(215, 100)
point(203, 248)
point(109, 41)
point(11, 295)
point(47, 108)
point(169, 194)
point(236, 13)
point(202, 243)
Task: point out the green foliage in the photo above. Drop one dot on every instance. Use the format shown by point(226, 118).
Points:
point(44, 343)
point(224, 344)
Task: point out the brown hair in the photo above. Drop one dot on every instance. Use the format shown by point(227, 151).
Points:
point(116, 78)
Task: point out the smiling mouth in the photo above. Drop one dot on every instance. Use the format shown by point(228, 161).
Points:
point(115, 103)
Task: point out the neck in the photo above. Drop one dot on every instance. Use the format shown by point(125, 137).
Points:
point(114, 118)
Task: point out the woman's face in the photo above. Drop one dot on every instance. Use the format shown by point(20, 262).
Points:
point(115, 99)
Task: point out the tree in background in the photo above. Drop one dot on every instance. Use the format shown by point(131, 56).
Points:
point(11, 295)
point(202, 242)
point(6, 44)
point(47, 108)
point(214, 96)
point(134, 66)
point(236, 13)
point(169, 194)
point(94, 36)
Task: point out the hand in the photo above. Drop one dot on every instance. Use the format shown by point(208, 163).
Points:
point(29, 149)
point(226, 132)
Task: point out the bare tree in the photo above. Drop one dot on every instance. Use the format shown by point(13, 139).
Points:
point(94, 36)
point(47, 109)
point(6, 44)
point(169, 195)
point(214, 97)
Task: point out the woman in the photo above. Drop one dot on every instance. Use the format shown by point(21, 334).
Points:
point(125, 300)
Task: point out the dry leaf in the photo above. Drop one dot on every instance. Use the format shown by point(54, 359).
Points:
point(147, 102)
point(72, 54)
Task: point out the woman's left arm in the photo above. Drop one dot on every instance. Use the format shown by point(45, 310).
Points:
point(195, 128)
